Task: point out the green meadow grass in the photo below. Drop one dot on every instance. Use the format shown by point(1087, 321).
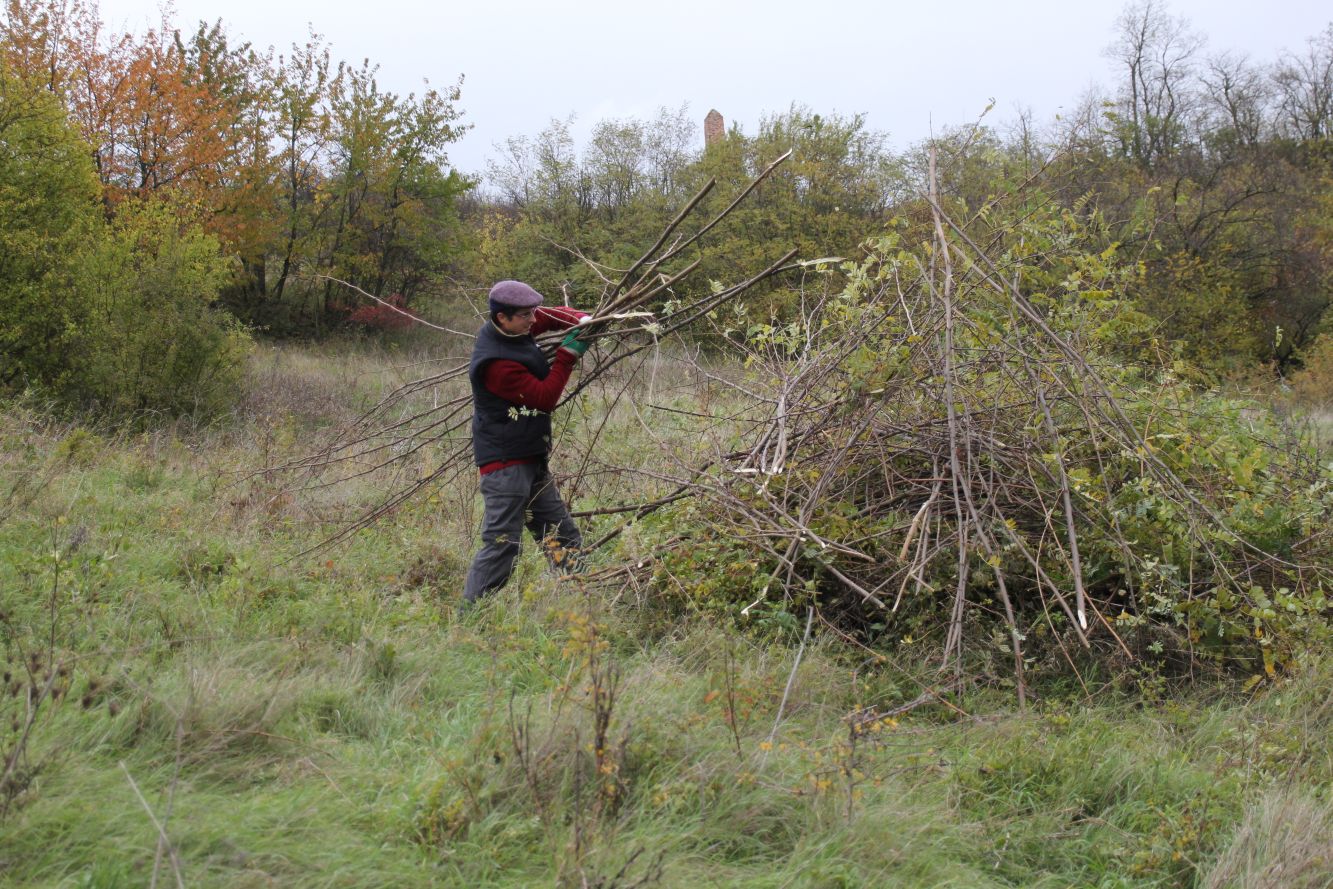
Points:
point(332, 721)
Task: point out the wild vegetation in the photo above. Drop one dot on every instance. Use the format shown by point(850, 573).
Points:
point(928, 449)
point(959, 515)
point(331, 721)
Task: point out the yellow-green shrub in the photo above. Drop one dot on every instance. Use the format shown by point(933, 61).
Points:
point(115, 316)
point(151, 337)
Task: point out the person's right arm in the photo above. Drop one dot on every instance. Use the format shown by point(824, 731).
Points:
point(515, 383)
point(548, 318)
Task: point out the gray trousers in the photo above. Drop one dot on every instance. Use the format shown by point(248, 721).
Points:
point(516, 496)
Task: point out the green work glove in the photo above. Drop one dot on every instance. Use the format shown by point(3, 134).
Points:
point(574, 344)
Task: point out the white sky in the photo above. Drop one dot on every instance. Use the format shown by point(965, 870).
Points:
point(907, 65)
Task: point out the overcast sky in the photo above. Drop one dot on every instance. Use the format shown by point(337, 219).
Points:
point(907, 65)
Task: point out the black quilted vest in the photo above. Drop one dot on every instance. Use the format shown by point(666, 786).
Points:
point(502, 430)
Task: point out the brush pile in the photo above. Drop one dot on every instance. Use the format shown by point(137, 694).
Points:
point(954, 447)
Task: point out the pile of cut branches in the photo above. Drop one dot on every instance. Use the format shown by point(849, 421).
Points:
point(944, 450)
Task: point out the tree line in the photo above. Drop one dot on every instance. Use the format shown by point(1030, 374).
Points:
point(297, 163)
point(1205, 178)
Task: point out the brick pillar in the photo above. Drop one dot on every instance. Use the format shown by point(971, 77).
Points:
point(714, 128)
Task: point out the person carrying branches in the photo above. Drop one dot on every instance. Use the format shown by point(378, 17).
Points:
point(514, 390)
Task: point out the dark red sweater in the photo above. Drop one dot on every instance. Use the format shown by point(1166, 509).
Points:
point(515, 383)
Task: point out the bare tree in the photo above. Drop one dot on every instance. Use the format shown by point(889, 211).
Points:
point(614, 163)
point(1157, 52)
point(1305, 89)
point(673, 139)
point(1237, 96)
point(511, 174)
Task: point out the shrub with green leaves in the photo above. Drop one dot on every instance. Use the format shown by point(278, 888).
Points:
point(48, 211)
point(152, 338)
point(118, 317)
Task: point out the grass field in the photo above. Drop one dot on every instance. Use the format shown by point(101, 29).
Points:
point(236, 717)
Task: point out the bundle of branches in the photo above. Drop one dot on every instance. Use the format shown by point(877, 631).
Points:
point(412, 423)
point(944, 449)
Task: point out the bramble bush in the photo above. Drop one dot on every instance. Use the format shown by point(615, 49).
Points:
point(394, 317)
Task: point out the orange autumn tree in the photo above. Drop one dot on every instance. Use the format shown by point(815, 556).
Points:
point(60, 45)
point(245, 190)
point(48, 42)
point(158, 111)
